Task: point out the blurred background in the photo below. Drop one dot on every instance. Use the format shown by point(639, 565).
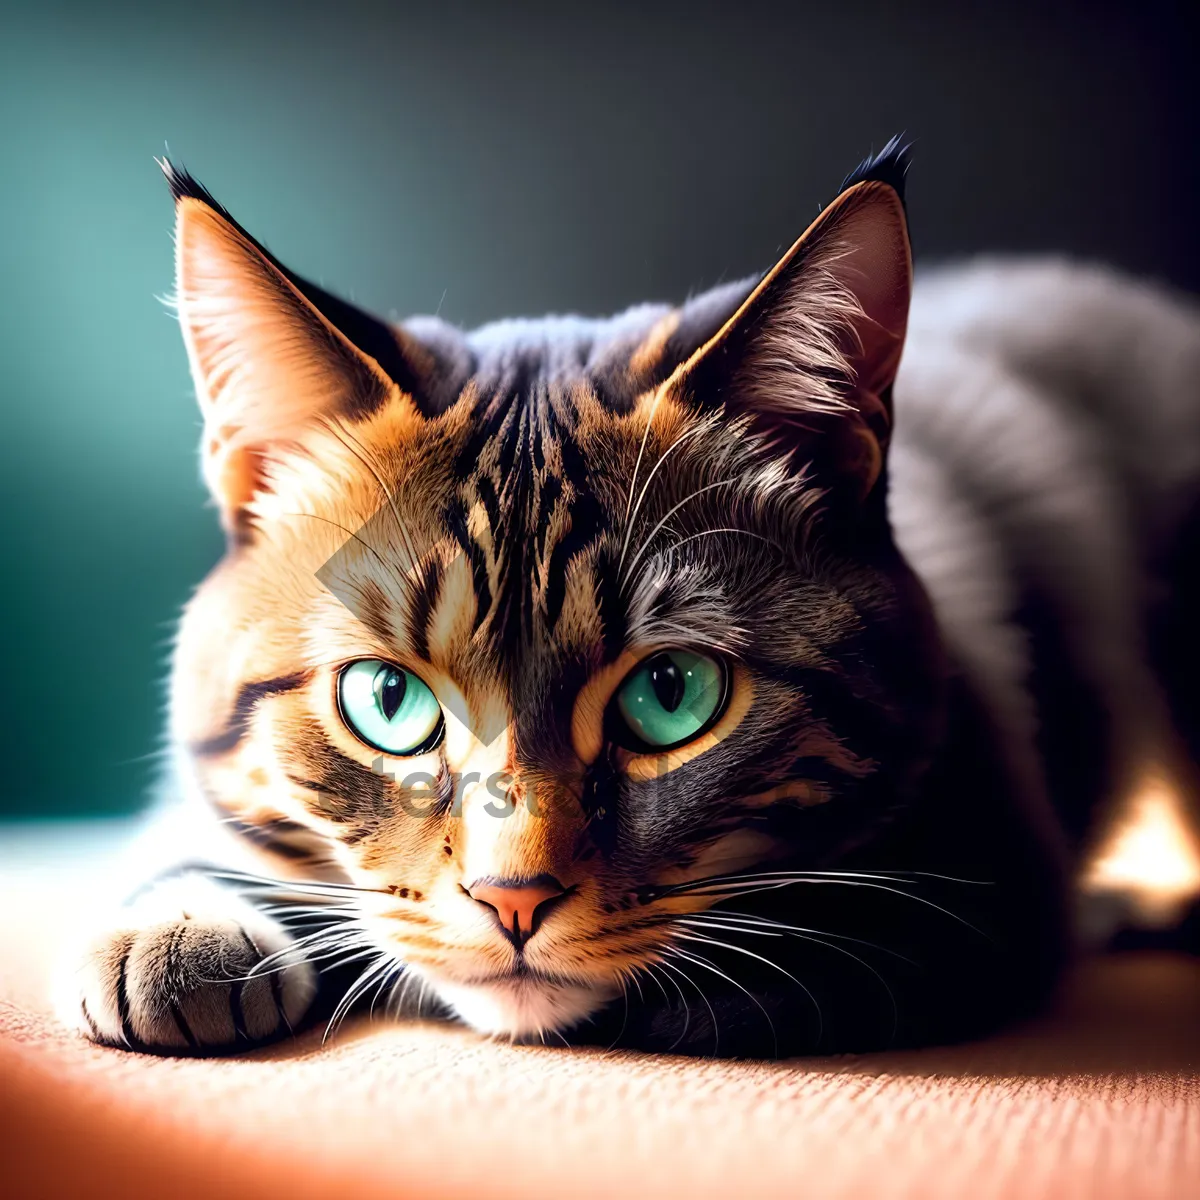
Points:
point(479, 160)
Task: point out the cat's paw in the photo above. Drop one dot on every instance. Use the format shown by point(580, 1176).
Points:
point(182, 973)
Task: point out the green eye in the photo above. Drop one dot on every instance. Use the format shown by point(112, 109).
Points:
point(670, 699)
point(389, 708)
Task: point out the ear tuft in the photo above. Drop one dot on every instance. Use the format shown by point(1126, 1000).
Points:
point(889, 166)
point(430, 379)
point(810, 356)
point(184, 187)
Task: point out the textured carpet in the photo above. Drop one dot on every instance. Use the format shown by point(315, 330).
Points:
point(1099, 1099)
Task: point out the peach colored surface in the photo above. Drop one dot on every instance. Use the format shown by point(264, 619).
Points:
point(1100, 1099)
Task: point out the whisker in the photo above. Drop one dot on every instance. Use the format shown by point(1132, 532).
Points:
point(390, 568)
point(701, 961)
point(687, 1018)
point(315, 887)
point(314, 910)
point(692, 937)
point(680, 971)
point(283, 959)
point(347, 955)
point(829, 946)
point(725, 529)
point(756, 876)
point(363, 455)
point(382, 963)
point(631, 517)
point(878, 887)
point(388, 978)
point(637, 983)
point(772, 880)
point(332, 929)
point(291, 956)
point(729, 925)
point(624, 1015)
point(648, 541)
point(312, 947)
point(399, 992)
point(650, 974)
point(782, 929)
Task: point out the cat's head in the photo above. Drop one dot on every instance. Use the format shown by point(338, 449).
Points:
point(532, 628)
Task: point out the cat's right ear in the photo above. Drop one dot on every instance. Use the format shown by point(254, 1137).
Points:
point(809, 358)
point(270, 354)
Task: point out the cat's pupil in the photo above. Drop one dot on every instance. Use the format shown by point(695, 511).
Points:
point(668, 681)
point(390, 687)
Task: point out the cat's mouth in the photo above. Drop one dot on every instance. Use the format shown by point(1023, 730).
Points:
point(521, 971)
point(521, 1003)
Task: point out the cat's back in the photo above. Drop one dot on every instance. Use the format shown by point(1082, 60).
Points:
point(1047, 449)
point(1113, 361)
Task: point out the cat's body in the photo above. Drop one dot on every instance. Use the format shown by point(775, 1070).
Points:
point(884, 801)
point(1044, 482)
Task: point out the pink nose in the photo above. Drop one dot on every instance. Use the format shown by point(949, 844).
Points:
point(518, 903)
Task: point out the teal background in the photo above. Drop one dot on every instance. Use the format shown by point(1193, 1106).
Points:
point(481, 160)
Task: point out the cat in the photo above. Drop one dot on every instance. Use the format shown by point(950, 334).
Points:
point(705, 679)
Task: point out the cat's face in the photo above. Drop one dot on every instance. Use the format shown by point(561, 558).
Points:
point(522, 629)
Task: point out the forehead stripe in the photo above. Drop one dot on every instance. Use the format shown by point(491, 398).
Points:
point(273, 835)
point(486, 491)
point(247, 700)
point(424, 604)
point(457, 521)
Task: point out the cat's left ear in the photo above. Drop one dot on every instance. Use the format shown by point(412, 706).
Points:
point(810, 357)
point(270, 353)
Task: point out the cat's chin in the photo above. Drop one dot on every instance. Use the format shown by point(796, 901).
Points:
point(520, 1008)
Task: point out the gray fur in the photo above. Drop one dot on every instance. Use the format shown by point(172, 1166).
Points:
point(1047, 435)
